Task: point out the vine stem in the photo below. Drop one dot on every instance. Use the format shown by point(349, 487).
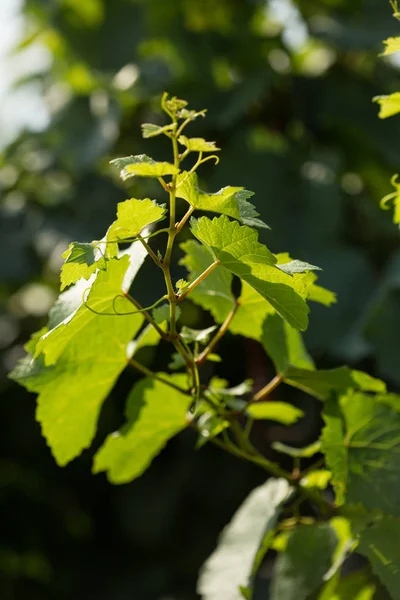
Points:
point(220, 333)
point(149, 250)
point(184, 219)
point(272, 468)
point(147, 316)
point(145, 371)
point(199, 279)
point(171, 234)
point(268, 389)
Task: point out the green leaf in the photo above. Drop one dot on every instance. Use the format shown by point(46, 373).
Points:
point(306, 452)
point(102, 299)
point(361, 442)
point(134, 215)
point(300, 569)
point(231, 564)
point(161, 314)
point(143, 166)
point(316, 293)
point(380, 544)
point(181, 285)
point(81, 261)
point(202, 336)
point(317, 479)
point(148, 337)
point(150, 130)
point(230, 201)
point(296, 266)
point(355, 586)
point(284, 345)
point(391, 45)
point(214, 293)
point(238, 250)
point(219, 386)
point(321, 384)
point(209, 425)
point(332, 445)
point(183, 113)
point(275, 411)
point(72, 390)
point(197, 144)
point(389, 105)
point(174, 104)
point(154, 413)
point(177, 362)
point(251, 314)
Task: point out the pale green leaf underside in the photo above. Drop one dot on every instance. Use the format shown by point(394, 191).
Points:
point(238, 250)
point(155, 413)
point(296, 266)
point(300, 569)
point(134, 215)
point(144, 166)
point(361, 441)
point(230, 201)
point(380, 544)
point(81, 261)
point(231, 564)
point(201, 336)
point(197, 144)
point(391, 45)
point(389, 105)
point(282, 412)
point(150, 130)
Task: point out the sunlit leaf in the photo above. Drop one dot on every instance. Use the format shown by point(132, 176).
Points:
point(284, 345)
point(89, 356)
point(389, 105)
point(305, 452)
point(214, 293)
point(391, 45)
point(133, 216)
point(80, 261)
point(197, 144)
point(144, 166)
point(237, 249)
point(321, 384)
point(275, 411)
point(154, 413)
point(230, 201)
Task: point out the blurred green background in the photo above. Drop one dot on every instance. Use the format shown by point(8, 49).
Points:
point(288, 88)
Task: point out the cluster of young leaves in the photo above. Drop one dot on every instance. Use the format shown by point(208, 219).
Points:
point(97, 327)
